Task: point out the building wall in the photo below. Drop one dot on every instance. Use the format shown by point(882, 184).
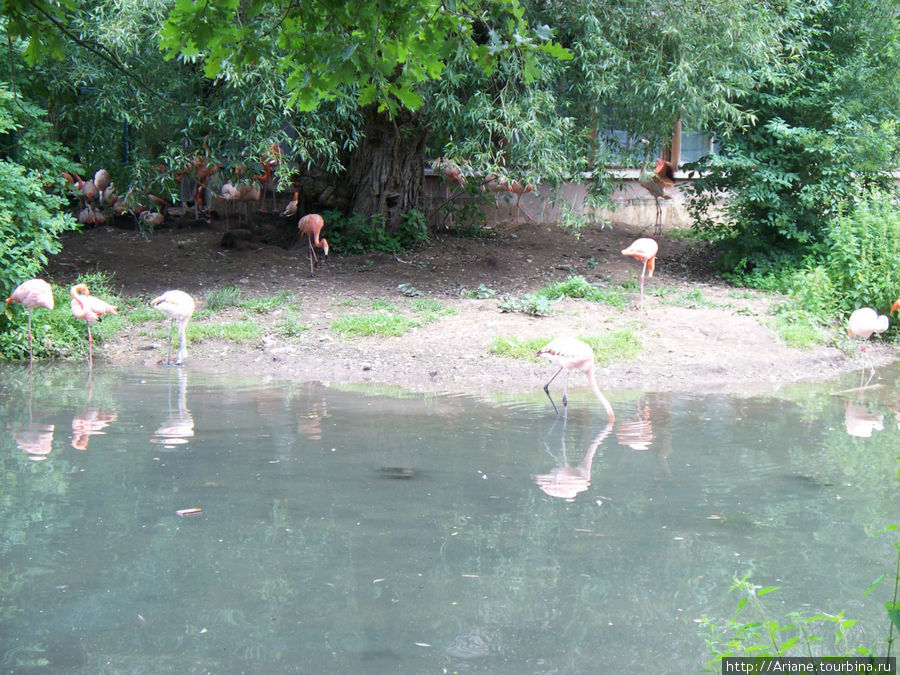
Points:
point(634, 205)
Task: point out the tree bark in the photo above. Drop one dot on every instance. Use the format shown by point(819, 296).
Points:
point(386, 173)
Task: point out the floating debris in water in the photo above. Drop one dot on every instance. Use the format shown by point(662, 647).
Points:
point(398, 472)
point(193, 511)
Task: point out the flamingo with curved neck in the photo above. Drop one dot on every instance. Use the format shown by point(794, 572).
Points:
point(90, 309)
point(311, 226)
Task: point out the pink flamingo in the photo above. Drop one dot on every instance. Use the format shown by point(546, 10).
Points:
point(85, 306)
point(572, 354)
point(862, 323)
point(643, 249)
point(178, 306)
point(32, 293)
point(656, 182)
point(311, 226)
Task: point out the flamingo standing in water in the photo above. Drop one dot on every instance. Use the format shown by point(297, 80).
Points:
point(311, 226)
point(643, 249)
point(178, 306)
point(85, 306)
point(862, 323)
point(32, 293)
point(572, 354)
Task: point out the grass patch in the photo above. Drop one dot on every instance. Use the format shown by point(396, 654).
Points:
point(380, 324)
point(290, 327)
point(429, 309)
point(692, 299)
point(530, 303)
point(144, 314)
point(798, 328)
point(235, 331)
point(580, 288)
point(281, 300)
point(221, 298)
point(384, 306)
point(618, 345)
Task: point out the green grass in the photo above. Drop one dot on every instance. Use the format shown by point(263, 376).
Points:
point(580, 288)
point(283, 299)
point(429, 309)
point(798, 328)
point(380, 324)
point(290, 327)
point(692, 299)
point(384, 306)
point(234, 331)
point(144, 314)
point(221, 298)
point(615, 346)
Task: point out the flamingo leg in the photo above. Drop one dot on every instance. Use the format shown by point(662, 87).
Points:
point(547, 391)
point(169, 353)
point(90, 347)
point(182, 343)
point(30, 350)
point(643, 269)
point(565, 398)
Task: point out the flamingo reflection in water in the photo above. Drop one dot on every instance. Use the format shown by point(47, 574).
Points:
point(567, 481)
point(91, 421)
point(860, 421)
point(179, 425)
point(35, 439)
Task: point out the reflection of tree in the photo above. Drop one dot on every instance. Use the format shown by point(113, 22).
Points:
point(566, 481)
point(179, 425)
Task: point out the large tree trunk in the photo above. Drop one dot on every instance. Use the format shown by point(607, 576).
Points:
point(386, 173)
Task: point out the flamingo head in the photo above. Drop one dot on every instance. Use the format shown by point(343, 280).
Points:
point(324, 244)
point(81, 288)
point(894, 307)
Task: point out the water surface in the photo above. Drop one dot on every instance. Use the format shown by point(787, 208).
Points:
point(365, 530)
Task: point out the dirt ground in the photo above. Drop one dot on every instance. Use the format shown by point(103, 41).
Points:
point(726, 347)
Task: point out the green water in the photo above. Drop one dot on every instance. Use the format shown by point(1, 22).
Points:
point(361, 531)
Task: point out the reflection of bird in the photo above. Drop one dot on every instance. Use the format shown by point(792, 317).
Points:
point(656, 182)
point(90, 422)
point(643, 249)
point(85, 306)
point(32, 293)
point(860, 421)
point(567, 481)
point(572, 354)
point(179, 425)
point(178, 306)
point(862, 323)
point(311, 225)
point(36, 439)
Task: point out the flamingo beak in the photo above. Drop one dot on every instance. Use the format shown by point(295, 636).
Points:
point(325, 246)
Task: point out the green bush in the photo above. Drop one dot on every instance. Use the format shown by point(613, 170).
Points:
point(859, 264)
point(356, 234)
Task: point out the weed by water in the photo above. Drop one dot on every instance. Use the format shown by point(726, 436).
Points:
point(380, 324)
point(234, 331)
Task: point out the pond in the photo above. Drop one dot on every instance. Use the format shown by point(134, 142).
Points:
point(168, 521)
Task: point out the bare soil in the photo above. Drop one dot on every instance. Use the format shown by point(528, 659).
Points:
point(729, 346)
